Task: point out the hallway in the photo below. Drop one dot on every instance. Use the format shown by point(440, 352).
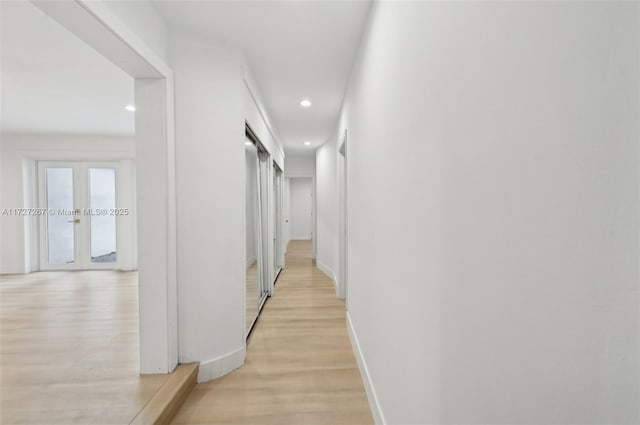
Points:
point(300, 366)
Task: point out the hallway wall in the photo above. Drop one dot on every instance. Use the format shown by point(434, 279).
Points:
point(300, 165)
point(210, 199)
point(494, 212)
point(212, 105)
point(327, 209)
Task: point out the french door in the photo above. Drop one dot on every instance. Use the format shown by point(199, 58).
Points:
point(78, 221)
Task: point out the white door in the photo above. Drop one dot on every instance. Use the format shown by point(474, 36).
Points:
point(301, 208)
point(78, 229)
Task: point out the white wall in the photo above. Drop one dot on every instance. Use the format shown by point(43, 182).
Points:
point(145, 21)
point(256, 116)
point(212, 103)
point(300, 202)
point(210, 198)
point(327, 208)
point(300, 165)
point(18, 155)
point(493, 176)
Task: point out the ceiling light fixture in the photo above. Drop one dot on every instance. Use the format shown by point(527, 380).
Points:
point(248, 143)
point(130, 108)
point(305, 103)
point(307, 143)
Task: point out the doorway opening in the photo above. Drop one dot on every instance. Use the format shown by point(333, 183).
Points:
point(300, 208)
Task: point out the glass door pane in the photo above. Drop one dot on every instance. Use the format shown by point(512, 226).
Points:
point(102, 203)
point(60, 219)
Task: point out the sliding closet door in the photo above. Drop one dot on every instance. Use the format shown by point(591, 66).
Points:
point(253, 260)
point(258, 283)
point(264, 173)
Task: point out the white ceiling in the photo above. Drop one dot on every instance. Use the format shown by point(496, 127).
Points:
point(295, 49)
point(52, 82)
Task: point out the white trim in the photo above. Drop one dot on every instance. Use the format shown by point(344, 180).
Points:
point(220, 366)
point(251, 260)
point(329, 272)
point(324, 269)
point(374, 403)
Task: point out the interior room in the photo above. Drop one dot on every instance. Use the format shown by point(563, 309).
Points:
point(69, 293)
point(319, 212)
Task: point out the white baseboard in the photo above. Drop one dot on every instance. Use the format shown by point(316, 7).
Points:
point(250, 261)
point(215, 368)
point(300, 238)
point(374, 404)
point(329, 272)
point(337, 283)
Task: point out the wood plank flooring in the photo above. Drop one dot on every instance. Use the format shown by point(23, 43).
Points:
point(300, 366)
point(69, 349)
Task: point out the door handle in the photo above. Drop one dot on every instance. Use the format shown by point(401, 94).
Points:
point(75, 220)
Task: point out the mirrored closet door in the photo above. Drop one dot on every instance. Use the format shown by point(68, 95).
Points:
point(258, 267)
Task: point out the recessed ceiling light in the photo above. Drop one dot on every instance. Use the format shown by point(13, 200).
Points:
point(305, 103)
point(307, 143)
point(130, 108)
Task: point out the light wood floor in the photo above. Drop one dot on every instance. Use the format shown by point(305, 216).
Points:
point(69, 349)
point(300, 366)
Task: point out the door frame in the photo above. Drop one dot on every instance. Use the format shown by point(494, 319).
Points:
point(98, 26)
